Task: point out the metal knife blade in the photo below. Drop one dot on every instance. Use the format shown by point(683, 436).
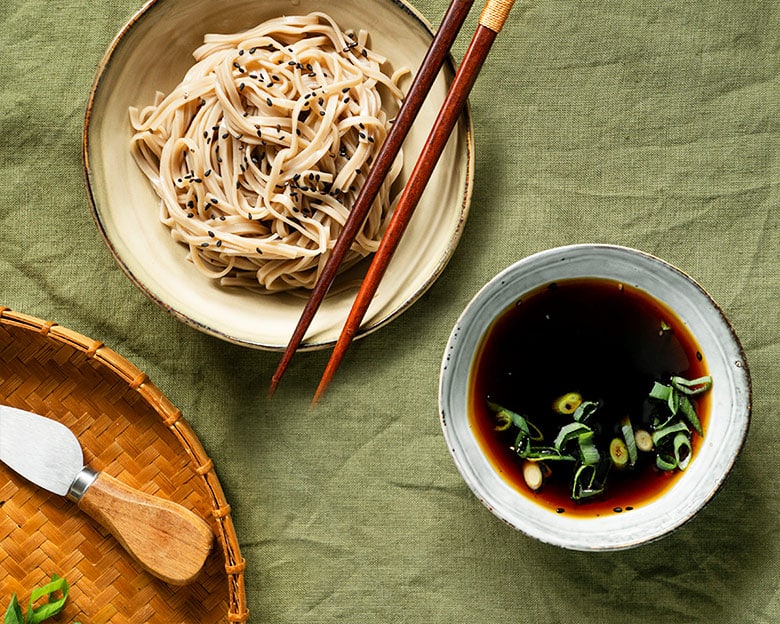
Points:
point(167, 539)
point(40, 449)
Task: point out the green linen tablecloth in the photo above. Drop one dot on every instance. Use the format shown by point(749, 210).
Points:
point(647, 124)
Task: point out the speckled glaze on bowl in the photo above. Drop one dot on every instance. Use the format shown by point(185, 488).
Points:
point(151, 53)
point(730, 397)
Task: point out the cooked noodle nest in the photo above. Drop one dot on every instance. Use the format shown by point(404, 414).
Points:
point(259, 152)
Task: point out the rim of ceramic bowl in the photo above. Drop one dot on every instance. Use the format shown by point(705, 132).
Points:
point(370, 325)
point(731, 401)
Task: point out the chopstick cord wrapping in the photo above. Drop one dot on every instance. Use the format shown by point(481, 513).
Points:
point(495, 13)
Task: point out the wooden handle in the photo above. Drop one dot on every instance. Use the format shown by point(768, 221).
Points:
point(168, 540)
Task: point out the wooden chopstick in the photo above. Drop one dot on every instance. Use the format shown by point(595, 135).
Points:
point(418, 90)
point(491, 21)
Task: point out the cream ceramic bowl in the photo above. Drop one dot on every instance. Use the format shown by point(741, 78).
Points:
point(151, 53)
point(730, 397)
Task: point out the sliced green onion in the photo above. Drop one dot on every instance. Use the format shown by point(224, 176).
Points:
point(585, 410)
point(589, 454)
point(628, 435)
point(660, 434)
point(13, 614)
point(522, 444)
point(687, 409)
point(567, 403)
point(504, 421)
point(532, 475)
point(644, 441)
point(521, 422)
point(618, 453)
point(586, 482)
point(545, 453)
point(680, 446)
point(682, 450)
point(660, 391)
point(665, 463)
point(568, 433)
point(673, 402)
point(692, 386)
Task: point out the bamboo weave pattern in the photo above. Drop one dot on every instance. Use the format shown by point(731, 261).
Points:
point(127, 428)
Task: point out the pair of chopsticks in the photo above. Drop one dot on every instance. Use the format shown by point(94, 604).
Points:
point(491, 20)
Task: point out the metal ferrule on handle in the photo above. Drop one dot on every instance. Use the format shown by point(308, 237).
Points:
point(81, 483)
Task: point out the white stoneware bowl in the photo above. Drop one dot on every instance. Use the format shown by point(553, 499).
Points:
point(151, 53)
point(729, 407)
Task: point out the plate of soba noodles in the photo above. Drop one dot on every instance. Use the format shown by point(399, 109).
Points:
point(224, 145)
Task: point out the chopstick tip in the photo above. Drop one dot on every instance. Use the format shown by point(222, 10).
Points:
point(274, 385)
point(319, 393)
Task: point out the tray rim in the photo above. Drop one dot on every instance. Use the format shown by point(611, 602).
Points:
point(172, 418)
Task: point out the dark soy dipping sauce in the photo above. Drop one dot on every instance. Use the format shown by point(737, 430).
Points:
point(609, 342)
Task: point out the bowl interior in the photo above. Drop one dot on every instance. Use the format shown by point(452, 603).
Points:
point(729, 400)
point(151, 54)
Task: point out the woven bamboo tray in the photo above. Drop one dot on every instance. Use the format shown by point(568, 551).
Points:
point(127, 428)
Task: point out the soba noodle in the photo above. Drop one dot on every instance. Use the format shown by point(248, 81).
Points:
point(258, 154)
